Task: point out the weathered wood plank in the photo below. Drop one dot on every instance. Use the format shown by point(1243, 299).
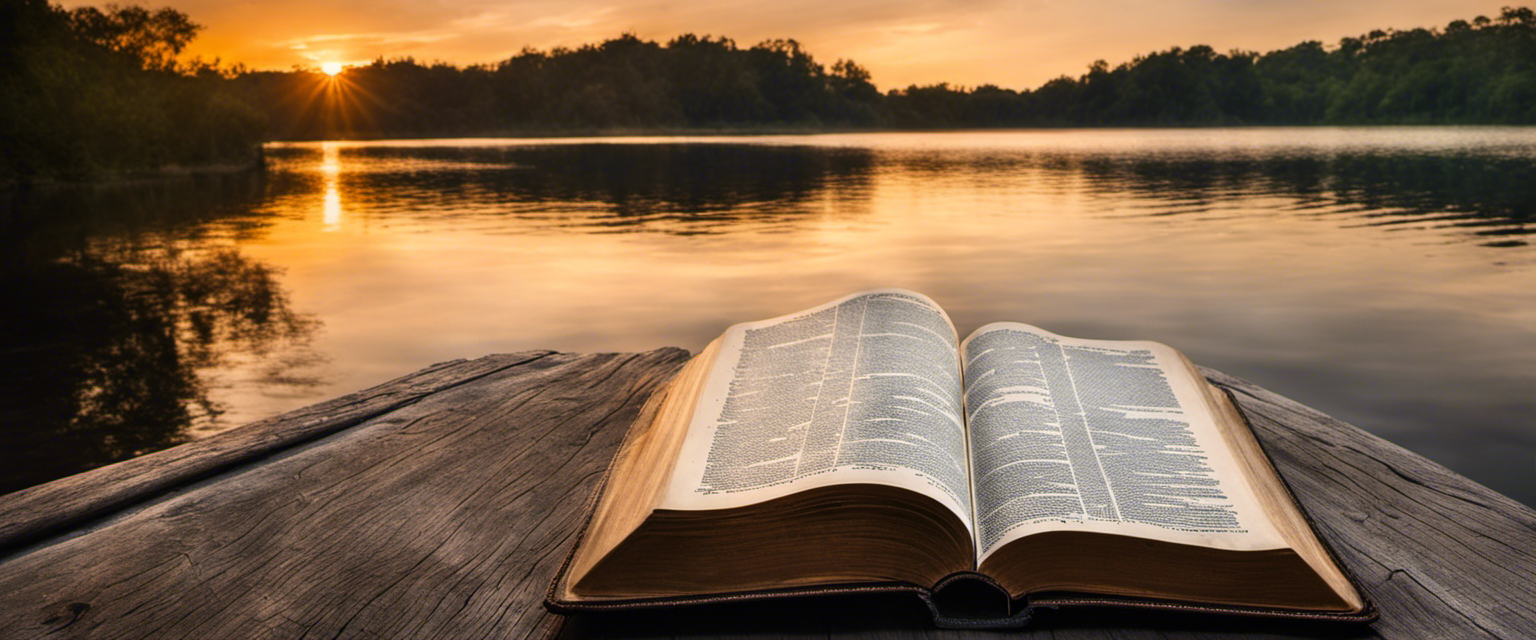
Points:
point(1441, 555)
point(443, 518)
point(444, 513)
point(32, 513)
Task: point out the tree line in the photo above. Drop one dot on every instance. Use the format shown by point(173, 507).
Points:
point(1481, 71)
point(622, 84)
point(87, 93)
point(90, 91)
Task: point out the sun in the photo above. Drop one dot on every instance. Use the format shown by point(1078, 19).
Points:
point(330, 68)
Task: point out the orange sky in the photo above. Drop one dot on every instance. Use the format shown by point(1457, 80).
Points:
point(1015, 44)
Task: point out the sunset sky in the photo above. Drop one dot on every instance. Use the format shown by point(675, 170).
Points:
point(1015, 44)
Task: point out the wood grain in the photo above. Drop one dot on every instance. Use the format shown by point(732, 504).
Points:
point(441, 504)
point(444, 518)
point(1441, 555)
point(32, 513)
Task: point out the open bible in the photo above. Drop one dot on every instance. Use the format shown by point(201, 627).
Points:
point(862, 445)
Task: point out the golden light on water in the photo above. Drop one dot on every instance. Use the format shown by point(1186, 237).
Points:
point(330, 167)
point(1275, 252)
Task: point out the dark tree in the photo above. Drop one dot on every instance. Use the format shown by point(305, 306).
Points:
point(86, 93)
point(102, 90)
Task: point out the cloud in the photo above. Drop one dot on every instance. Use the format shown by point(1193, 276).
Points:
point(573, 19)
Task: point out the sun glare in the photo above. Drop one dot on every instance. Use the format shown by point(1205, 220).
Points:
point(330, 68)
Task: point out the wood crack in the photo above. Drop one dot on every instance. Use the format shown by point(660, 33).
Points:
point(454, 494)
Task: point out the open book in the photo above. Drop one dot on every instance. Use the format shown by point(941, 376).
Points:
point(863, 443)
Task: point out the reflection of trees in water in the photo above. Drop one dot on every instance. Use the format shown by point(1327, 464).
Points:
point(49, 222)
point(628, 185)
point(109, 344)
point(1493, 197)
point(710, 186)
point(687, 179)
point(223, 302)
point(718, 184)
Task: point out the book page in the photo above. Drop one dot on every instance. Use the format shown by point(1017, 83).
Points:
point(865, 389)
point(1103, 436)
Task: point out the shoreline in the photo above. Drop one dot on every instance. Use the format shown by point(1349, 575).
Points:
point(164, 173)
point(670, 132)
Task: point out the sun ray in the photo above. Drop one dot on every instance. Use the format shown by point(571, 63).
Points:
point(336, 106)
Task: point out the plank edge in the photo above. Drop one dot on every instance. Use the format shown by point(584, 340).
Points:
point(36, 513)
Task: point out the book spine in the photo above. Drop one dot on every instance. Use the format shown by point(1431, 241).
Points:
point(971, 600)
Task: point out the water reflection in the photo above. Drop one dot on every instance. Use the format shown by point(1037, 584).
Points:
point(707, 188)
point(714, 186)
point(1492, 198)
point(1380, 275)
point(330, 167)
point(118, 327)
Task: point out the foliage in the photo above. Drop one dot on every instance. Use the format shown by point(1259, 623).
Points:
point(148, 39)
point(1482, 71)
point(623, 84)
point(90, 92)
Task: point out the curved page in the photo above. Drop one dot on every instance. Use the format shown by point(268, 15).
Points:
point(865, 389)
point(1097, 435)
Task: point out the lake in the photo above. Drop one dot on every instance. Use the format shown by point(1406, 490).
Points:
point(1382, 275)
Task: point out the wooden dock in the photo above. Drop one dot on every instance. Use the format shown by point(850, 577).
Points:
point(439, 505)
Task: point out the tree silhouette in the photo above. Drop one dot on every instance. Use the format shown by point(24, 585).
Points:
point(102, 91)
point(86, 93)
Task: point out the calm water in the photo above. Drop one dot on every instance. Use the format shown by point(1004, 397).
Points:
point(1382, 275)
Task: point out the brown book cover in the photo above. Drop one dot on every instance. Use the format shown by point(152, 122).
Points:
point(952, 603)
point(962, 599)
